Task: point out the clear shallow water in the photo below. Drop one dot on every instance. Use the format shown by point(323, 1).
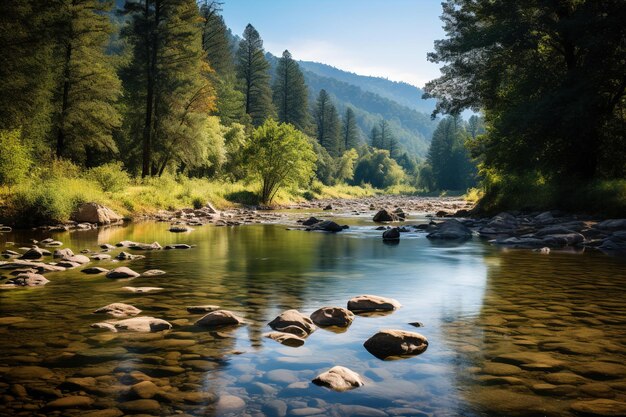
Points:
point(510, 332)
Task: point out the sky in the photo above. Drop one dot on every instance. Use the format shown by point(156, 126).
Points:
point(387, 39)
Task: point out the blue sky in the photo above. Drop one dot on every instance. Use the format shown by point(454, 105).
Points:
point(369, 37)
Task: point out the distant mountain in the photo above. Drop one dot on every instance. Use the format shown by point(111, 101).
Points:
point(400, 92)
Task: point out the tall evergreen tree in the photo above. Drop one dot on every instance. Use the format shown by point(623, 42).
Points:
point(253, 76)
point(327, 123)
point(87, 86)
point(168, 81)
point(290, 93)
point(375, 138)
point(451, 167)
point(350, 130)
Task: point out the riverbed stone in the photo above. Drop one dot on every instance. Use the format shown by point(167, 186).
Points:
point(600, 370)
point(95, 213)
point(101, 257)
point(125, 256)
point(385, 216)
point(122, 272)
point(326, 226)
point(144, 389)
point(142, 324)
point(500, 369)
point(140, 406)
point(289, 318)
point(94, 270)
point(202, 308)
point(332, 316)
point(28, 373)
point(387, 343)
point(230, 403)
point(153, 273)
point(368, 302)
point(33, 253)
point(275, 408)
point(220, 318)
point(286, 339)
point(28, 279)
point(391, 234)
point(73, 401)
point(354, 410)
point(450, 230)
point(118, 310)
point(339, 378)
point(311, 221)
point(600, 407)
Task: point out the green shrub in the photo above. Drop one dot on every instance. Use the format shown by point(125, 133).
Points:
point(197, 202)
point(14, 158)
point(111, 177)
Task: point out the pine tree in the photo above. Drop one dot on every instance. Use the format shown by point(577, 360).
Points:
point(215, 42)
point(375, 138)
point(327, 123)
point(168, 79)
point(290, 93)
point(448, 157)
point(87, 86)
point(254, 78)
point(350, 130)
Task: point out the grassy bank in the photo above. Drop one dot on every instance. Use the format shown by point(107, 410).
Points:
point(53, 195)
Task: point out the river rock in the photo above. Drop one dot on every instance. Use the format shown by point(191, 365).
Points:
point(310, 221)
point(179, 229)
point(125, 256)
point(220, 318)
point(339, 378)
point(28, 279)
point(118, 310)
point(600, 407)
point(326, 226)
point(332, 316)
point(286, 339)
point(611, 225)
point(94, 270)
point(144, 389)
point(372, 303)
point(202, 309)
point(62, 253)
point(568, 239)
point(73, 401)
point(450, 230)
point(388, 343)
point(153, 273)
point(289, 318)
point(95, 213)
point(33, 253)
point(79, 259)
point(135, 324)
point(230, 403)
point(385, 216)
point(122, 272)
point(101, 257)
point(178, 246)
point(391, 234)
point(145, 246)
point(140, 406)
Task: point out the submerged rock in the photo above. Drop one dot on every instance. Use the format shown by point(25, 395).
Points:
point(28, 279)
point(291, 320)
point(326, 226)
point(220, 318)
point(122, 272)
point(135, 324)
point(372, 303)
point(391, 234)
point(332, 316)
point(450, 230)
point(388, 343)
point(286, 339)
point(600, 407)
point(118, 310)
point(339, 378)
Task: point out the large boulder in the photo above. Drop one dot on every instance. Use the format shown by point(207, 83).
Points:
point(332, 316)
point(220, 318)
point(33, 253)
point(385, 216)
point(122, 272)
point(326, 226)
point(339, 378)
point(118, 310)
point(565, 239)
point(391, 234)
point(294, 322)
point(95, 213)
point(372, 303)
point(388, 343)
point(451, 230)
point(135, 324)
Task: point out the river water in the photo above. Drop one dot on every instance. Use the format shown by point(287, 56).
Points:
point(511, 332)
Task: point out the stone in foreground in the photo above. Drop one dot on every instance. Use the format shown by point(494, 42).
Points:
point(118, 310)
point(122, 272)
point(332, 316)
point(136, 324)
point(372, 303)
point(339, 378)
point(387, 343)
point(290, 321)
point(28, 279)
point(220, 318)
point(286, 339)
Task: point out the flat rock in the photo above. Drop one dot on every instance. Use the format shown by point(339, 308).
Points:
point(125, 256)
point(286, 339)
point(28, 279)
point(122, 272)
point(144, 389)
point(372, 303)
point(388, 343)
point(332, 316)
point(101, 257)
point(74, 401)
point(339, 378)
point(118, 310)
point(94, 270)
point(220, 318)
point(136, 324)
point(600, 407)
point(140, 406)
point(359, 411)
point(230, 403)
point(451, 230)
point(152, 273)
point(287, 319)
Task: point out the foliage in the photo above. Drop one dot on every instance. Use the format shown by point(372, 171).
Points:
point(111, 177)
point(14, 158)
point(328, 129)
point(378, 170)
point(350, 131)
point(290, 93)
point(345, 166)
point(254, 78)
point(279, 156)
